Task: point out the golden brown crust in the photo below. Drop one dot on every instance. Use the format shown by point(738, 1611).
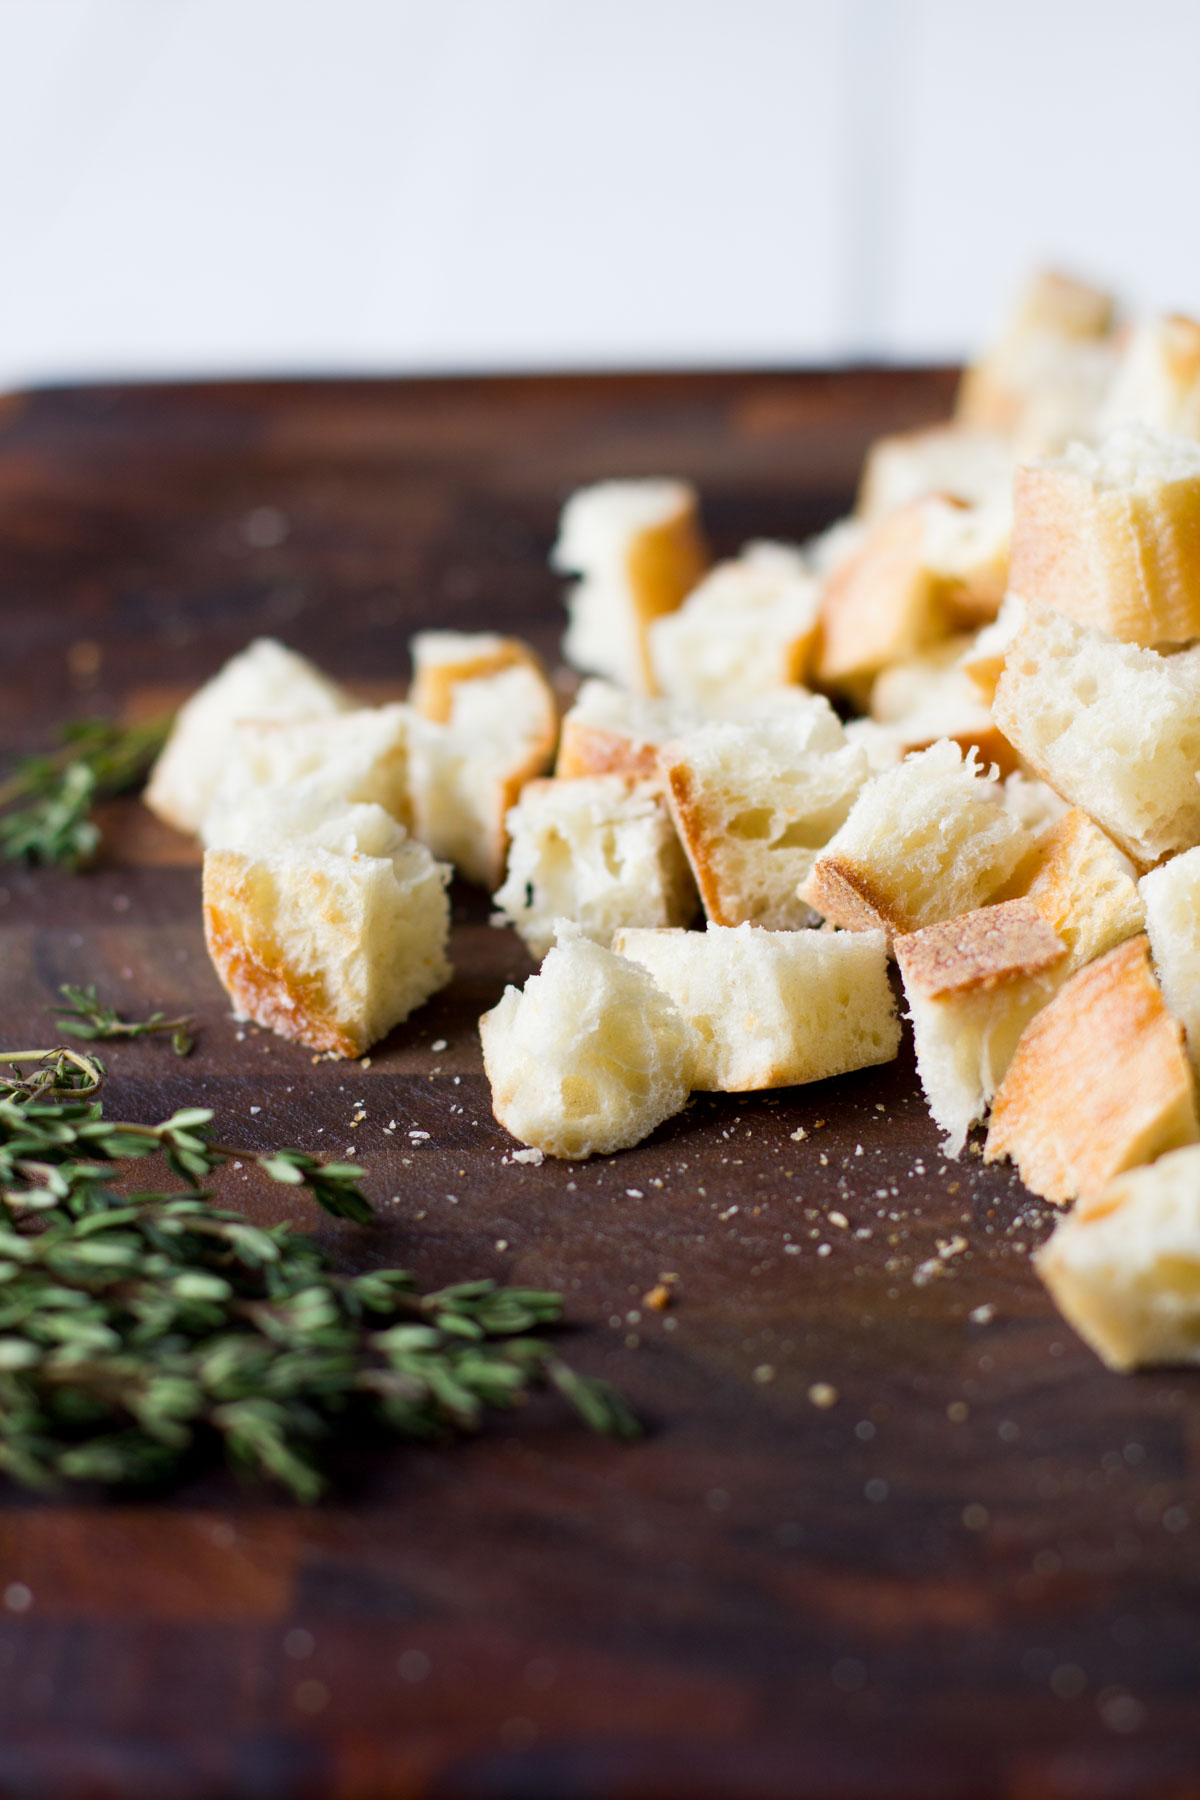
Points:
point(881, 603)
point(687, 810)
point(251, 965)
point(1100, 1081)
point(596, 750)
point(842, 892)
point(1125, 561)
point(978, 951)
point(1079, 888)
point(664, 563)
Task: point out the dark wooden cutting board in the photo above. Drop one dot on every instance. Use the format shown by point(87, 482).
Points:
point(976, 1573)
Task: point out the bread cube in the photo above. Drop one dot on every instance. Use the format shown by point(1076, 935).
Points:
point(982, 660)
point(325, 922)
point(754, 801)
point(919, 575)
point(749, 628)
point(950, 458)
point(1099, 1082)
point(930, 696)
point(637, 549)
point(468, 772)
point(1084, 888)
point(600, 851)
point(1157, 381)
point(1171, 896)
point(359, 756)
point(609, 731)
point(1124, 1265)
point(589, 1057)
point(773, 1008)
point(443, 659)
point(972, 986)
point(1111, 535)
point(1112, 728)
point(927, 840)
point(265, 681)
point(1044, 380)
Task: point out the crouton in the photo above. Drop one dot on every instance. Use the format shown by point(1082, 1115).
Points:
point(972, 986)
point(265, 681)
point(599, 850)
point(927, 840)
point(749, 627)
point(1124, 1266)
point(637, 549)
point(589, 1057)
point(1113, 728)
point(324, 921)
point(1099, 1082)
point(773, 1008)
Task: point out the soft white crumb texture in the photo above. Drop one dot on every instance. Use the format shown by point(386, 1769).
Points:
point(359, 756)
point(265, 681)
point(1111, 727)
point(589, 1057)
point(931, 837)
point(755, 801)
point(1172, 899)
point(599, 850)
point(327, 924)
point(1124, 1267)
point(746, 629)
point(773, 1008)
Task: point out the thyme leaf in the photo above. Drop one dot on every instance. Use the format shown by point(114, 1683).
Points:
point(46, 803)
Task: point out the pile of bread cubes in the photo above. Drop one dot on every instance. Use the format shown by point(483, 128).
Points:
point(959, 730)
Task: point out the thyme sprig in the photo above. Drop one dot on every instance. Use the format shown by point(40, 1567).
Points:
point(140, 1333)
point(46, 803)
point(84, 1016)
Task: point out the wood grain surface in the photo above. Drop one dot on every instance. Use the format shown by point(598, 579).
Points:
point(975, 1573)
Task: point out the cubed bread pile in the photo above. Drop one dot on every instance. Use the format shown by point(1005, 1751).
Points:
point(957, 733)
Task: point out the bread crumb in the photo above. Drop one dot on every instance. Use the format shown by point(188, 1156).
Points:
point(531, 1155)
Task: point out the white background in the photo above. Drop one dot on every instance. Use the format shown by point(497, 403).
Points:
point(204, 186)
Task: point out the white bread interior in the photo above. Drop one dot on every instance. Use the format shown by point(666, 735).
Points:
point(927, 840)
point(359, 756)
point(1111, 727)
point(636, 549)
point(467, 773)
point(599, 850)
point(1111, 535)
point(953, 459)
point(773, 1008)
point(443, 659)
point(1171, 895)
point(1045, 378)
point(754, 800)
point(931, 696)
point(589, 1057)
point(609, 731)
point(264, 681)
point(972, 986)
point(1099, 1082)
point(1157, 381)
point(325, 922)
point(1124, 1265)
point(749, 627)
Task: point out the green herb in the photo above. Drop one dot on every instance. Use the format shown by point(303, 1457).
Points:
point(46, 804)
point(140, 1333)
point(84, 1017)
